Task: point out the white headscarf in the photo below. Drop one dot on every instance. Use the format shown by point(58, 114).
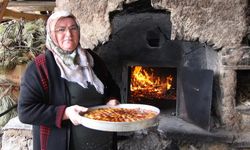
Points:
point(75, 66)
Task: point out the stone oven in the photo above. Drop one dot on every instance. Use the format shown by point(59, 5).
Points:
point(140, 42)
point(202, 45)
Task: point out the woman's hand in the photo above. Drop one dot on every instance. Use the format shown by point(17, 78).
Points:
point(113, 102)
point(73, 113)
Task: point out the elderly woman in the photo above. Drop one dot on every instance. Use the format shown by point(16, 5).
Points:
point(77, 79)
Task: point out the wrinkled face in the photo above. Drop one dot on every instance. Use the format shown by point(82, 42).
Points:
point(67, 34)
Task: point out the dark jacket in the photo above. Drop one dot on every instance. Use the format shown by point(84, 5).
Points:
point(41, 108)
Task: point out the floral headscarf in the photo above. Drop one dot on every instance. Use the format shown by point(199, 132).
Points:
point(75, 66)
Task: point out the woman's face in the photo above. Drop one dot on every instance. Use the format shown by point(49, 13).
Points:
point(67, 34)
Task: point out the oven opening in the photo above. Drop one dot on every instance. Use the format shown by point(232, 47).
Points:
point(243, 91)
point(153, 86)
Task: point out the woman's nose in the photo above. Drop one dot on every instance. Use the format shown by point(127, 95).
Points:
point(67, 32)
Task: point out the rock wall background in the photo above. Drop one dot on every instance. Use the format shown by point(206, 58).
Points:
point(93, 17)
point(221, 23)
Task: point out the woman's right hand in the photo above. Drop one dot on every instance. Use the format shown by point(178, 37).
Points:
point(73, 113)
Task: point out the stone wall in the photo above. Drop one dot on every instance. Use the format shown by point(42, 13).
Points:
point(93, 17)
point(217, 22)
point(17, 136)
point(221, 24)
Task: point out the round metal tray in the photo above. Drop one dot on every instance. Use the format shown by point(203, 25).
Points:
point(122, 126)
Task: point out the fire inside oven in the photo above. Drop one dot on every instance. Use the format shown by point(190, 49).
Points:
point(152, 85)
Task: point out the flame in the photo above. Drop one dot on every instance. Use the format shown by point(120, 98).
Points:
point(144, 83)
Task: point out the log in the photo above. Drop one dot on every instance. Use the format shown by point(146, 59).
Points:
point(20, 15)
point(3, 5)
point(25, 9)
point(27, 6)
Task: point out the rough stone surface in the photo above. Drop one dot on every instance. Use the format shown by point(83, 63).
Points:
point(173, 133)
point(245, 121)
point(1, 134)
point(239, 56)
point(17, 136)
point(17, 140)
point(93, 17)
point(219, 23)
point(216, 22)
point(229, 117)
point(139, 141)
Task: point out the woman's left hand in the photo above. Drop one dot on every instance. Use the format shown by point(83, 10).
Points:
point(113, 102)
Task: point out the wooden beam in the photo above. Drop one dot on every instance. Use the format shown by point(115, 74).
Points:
point(26, 16)
point(25, 6)
point(3, 5)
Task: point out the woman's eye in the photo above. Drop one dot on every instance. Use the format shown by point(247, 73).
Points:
point(70, 29)
point(74, 28)
point(60, 30)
